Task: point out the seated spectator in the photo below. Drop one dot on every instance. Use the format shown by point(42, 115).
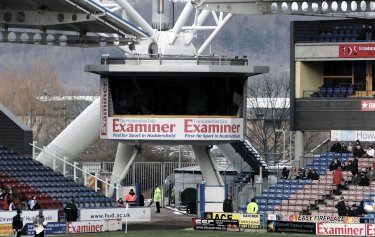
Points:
point(345, 166)
point(336, 147)
point(360, 210)
point(300, 173)
point(370, 174)
point(364, 181)
point(342, 210)
point(293, 174)
point(120, 202)
point(343, 148)
point(314, 175)
point(284, 173)
point(349, 148)
point(334, 164)
point(358, 151)
point(370, 151)
point(308, 173)
point(356, 179)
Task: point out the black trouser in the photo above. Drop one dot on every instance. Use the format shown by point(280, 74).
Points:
point(18, 233)
point(41, 234)
point(157, 207)
point(338, 189)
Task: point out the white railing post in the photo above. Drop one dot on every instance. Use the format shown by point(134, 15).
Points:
point(34, 144)
point(44, 155)
point(54, 164)
point(64, 165)
point(85, 182)
point(107, 186)
point(96, 181)
point(75, 171)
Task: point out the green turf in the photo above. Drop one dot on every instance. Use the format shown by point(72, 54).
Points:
point(181, 233)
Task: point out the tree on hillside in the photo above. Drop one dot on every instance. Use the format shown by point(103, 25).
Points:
point(268, 111)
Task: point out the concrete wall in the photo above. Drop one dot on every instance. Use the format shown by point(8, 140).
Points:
point(309, 77)
point(14, 134)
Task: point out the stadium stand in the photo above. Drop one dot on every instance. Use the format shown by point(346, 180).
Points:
point(29, 178)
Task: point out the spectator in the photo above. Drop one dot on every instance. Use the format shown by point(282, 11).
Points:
point(227, 204)
point(17, 224)
point(7, 200)
point(341, 207)
point(334, 164)
point(362, 33)
point(354, 167)
point(71, 211)
point(1, 194)
point(120, 202)
point(356, 180)
point(360, 210)
point(338, 179)
point(284, 173)
point(131, 198)
point(358, 150)
point(343, 148)
point(370, 174)
point(293, 174)
point(12, 206)
point(252, 207)
point(32, 203)
point(364, 181)
point(369, 31)
point(308, 173)
point(336, 147)
point(370, 151)
point(349, 148)
point(314, 175)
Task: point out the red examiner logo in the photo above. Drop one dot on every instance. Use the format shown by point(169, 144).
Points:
point(191, 127)
point(142, 127)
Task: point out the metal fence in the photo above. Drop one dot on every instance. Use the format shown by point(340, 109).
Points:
point(149, 174)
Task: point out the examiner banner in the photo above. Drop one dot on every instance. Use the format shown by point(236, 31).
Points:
point(139, 128)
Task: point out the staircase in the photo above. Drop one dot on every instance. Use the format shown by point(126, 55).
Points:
point(251, 156)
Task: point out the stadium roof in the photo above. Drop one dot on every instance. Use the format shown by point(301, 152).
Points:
point(82, 16)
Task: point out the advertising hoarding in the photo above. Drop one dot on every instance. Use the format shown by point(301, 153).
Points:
point(134, 214)
point(141, 128)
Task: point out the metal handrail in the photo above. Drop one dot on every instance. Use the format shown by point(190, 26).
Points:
point(72, 165)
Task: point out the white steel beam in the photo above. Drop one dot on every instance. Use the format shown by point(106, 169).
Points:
point(134, 15)
point(181, 21)
point(214, 33)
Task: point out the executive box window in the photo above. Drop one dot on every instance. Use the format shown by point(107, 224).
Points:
point(150, 95)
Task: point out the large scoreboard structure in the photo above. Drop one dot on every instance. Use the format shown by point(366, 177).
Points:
point(173, 101)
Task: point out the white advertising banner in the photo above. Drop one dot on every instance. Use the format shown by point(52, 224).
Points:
point(351, 135)
point(6, 217)
point(137, 128)
point(85, 227)
point(340, 229)
point(134, 214)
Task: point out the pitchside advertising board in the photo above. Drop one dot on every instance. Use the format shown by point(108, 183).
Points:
point(291, 227)
point(351, 135)
point(321, 228)
point(135, 214)
point(172, 128)
point(220, 225)
point(245, 221)
point(6, 217)
point(314, 218)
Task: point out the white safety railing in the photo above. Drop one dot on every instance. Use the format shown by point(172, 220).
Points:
point(75, 170)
